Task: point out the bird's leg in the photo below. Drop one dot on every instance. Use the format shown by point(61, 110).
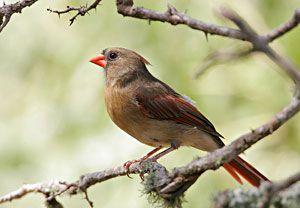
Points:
point(174, 145)
point(149, 154)
point(159, 155)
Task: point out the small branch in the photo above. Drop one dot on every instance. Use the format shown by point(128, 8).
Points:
point(7, 10)
point(267, 195)
point(82, 10)
point(54, 187)
point(286, 183)
point(261, 44)
point(284, 28)
point(172, 16)
point(97, 177)
point(219, 57)
point(51, 202)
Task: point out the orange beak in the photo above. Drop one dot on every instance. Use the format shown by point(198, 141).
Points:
point(99, 60)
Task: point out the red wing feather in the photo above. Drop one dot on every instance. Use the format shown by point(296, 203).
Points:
point(175, 108)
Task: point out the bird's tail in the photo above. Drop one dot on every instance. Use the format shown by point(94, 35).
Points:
point(247, 171)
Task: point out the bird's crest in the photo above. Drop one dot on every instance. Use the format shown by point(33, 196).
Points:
point(145, 61)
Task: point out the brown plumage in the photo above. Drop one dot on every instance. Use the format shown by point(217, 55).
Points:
point(153, 113)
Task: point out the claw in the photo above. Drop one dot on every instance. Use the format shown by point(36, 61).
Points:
point(142, 176)
point(127, 165)
point(141, 160)
point(127, 174)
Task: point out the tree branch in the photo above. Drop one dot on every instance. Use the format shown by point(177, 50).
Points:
point(172, 16)
point(279, 194)
point(220, 57)
point(7, 10)
point(54, 187)
point(284, 28)
point(82, 10)
point(260, 43)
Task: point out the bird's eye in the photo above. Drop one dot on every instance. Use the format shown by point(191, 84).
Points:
point(112, 55)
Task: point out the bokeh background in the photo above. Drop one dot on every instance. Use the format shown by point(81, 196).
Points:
point(53, 122)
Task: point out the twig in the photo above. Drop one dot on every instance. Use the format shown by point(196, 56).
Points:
point(87, 198)
point(286, 183)
point(81, 10)
point(219, 57)
point(7, 10)
point(54, 187)
point(51, 202)
point(261, 44)
point(284, 28)
point(172, 16)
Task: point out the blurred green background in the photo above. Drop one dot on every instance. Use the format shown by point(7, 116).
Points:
point(53, 122)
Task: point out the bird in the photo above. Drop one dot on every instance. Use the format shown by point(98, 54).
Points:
point(153, 113)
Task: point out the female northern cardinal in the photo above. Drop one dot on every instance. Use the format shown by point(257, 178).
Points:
point(156, 115)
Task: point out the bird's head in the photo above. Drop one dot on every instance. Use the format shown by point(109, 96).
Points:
point(119, 63)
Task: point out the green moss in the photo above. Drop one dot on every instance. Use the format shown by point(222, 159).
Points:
point(157, 178)
point(252, 198)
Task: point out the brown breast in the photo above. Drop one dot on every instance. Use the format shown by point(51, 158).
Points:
point(123, 111)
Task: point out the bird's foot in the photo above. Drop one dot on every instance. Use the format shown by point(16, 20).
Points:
point(130, 162)
point(141, 176)
point(127, 165)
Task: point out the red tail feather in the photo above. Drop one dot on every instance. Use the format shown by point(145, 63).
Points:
point(232, 172)
point(247, 171)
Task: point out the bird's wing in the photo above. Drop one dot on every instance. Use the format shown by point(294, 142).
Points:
point(172, 106)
